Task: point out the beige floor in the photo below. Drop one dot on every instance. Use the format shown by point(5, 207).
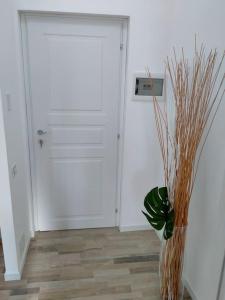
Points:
point(96, 264)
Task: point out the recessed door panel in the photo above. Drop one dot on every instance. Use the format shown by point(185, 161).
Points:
point(75, 64)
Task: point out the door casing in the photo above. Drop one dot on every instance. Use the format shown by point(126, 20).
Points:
point(123, 66)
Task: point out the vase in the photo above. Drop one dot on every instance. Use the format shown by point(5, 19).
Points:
point(171, 265)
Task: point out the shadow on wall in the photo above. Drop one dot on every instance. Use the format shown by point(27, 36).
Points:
point(2, 264)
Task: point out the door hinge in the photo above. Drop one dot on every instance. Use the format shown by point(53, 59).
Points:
point(116, 210)
point(121, 46)
point(118, 136)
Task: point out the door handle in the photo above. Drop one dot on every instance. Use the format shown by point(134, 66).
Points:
point(41, 132)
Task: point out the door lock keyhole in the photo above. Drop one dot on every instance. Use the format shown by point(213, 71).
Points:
point(41, 142)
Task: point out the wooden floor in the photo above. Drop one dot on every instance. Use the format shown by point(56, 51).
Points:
point(96, 264)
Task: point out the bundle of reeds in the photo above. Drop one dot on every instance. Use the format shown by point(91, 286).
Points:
point(198, 89)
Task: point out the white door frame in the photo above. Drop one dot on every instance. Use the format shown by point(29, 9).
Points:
point(123, 65)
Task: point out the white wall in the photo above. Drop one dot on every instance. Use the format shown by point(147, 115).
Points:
point(14, 221)
point(206, 239)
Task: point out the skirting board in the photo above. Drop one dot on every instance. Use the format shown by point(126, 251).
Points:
point(12, 276)
point(140, 227)
point(17, 275)
point(189, 289)
point(124, 228)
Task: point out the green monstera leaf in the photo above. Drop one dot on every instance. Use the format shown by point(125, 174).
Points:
point(160, 212)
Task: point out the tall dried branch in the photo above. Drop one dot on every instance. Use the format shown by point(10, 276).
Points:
point(197, 96)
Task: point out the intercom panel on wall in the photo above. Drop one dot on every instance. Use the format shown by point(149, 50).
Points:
point(145, 87)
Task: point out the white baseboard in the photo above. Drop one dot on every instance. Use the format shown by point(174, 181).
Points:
point(124, 228)
point(12, 276)
point(189, 289)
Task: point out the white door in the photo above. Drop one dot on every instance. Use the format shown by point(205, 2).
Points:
point(74, 74)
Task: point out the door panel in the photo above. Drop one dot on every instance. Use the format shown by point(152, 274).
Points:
point(74, 68)
point(82, 61)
